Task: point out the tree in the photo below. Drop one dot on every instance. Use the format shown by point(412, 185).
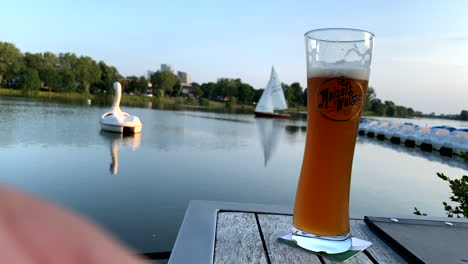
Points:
point(296, 92)
point(459, 189)
point(390, 110)
point(177, 88)
point(51, 78)
point(197, 90)
point(68, 61)
point(377, 107)
point(304, 97)
point(87, 72)
point(164, 81)
point(109, 75)
point(246, 93)
point(135, 84)
point(208, 89)
point(33, 60)
point(11, 61)
point(370, 96)
point(257, 94)
point(401, 111)
point(464, 115)
point(29, 80)
point(221, 87)
point(68, 82)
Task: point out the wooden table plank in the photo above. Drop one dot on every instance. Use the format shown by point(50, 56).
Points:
point(380, 251)
point(274, 226)
point(238, 239)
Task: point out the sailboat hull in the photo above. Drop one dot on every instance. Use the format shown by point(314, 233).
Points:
point(272, 115)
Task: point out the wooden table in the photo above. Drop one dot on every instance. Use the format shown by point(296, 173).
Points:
point(221, 232)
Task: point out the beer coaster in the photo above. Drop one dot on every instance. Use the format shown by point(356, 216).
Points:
point(357, 246)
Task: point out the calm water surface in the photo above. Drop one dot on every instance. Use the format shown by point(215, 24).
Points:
point(139, 187)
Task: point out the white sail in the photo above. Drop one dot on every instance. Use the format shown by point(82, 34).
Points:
point(273, 96)
point(277, 94)
point(265, 104)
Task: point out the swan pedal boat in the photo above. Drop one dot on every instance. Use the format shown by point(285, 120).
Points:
point(117, 121)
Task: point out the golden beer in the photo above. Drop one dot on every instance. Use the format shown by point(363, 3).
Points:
point(322, 198)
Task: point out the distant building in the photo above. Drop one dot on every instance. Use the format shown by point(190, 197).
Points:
point(167, 67)
point(184, 77)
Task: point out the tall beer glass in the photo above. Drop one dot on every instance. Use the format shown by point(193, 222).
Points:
point(338, 67)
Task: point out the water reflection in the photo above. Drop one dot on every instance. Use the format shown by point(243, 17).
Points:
point(294, 129)
point(432, 156)
point(115, 140)
point(270, 131)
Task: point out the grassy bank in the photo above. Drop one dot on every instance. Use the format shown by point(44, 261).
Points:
point(128, 100)
point(44, 95)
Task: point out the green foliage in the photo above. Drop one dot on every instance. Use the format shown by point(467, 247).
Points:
point(29, 81)
point(191, 99)
point(164, 81)
point(11, 61)
point(370, 96)
point(464, 155)
point(459, 196)
point(68, 81)
point(258, 93)
point(179, 101)
point(208, 89)
point(464, 115)
point(377, 107)
point(177, 88)
point(87, 72)
point(197, 90)
point(136, 85)
point(51, 78)
point(293, 94)
point(231, 103)
point(245, 94)
point(390, 111)
point(204, 102)
point(64, 72)
point(304, 96)
point(417, 212)
point(109, 75)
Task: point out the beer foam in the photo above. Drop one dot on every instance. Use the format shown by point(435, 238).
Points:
point(353, 70)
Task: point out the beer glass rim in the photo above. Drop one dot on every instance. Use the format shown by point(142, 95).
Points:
point(323, 34)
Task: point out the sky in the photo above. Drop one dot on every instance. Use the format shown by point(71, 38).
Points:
point(420, 56)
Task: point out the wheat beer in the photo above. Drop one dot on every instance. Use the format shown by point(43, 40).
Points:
point(336, 92)
point(326, 170)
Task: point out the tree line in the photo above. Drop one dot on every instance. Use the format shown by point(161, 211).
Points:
point(67, 72)
point(375, 106)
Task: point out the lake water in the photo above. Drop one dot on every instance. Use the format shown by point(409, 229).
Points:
point(138, 188)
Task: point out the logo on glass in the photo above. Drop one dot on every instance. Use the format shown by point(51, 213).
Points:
point(339, 99)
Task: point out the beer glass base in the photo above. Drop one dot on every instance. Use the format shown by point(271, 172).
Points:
point(317, 243)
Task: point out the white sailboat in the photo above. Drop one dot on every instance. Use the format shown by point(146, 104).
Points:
point(272, 99)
